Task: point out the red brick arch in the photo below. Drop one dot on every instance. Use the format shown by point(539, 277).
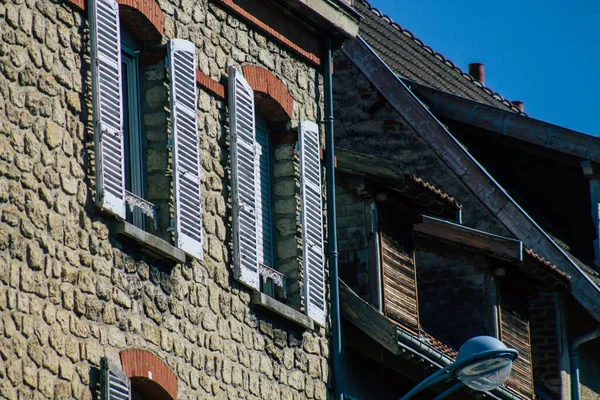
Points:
point(144, 17)
point(271, 97)
point(149, 374)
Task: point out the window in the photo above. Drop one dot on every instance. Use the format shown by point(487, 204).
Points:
point(264, 206)
point(121, 174)
point(132, 127)
point(256, 247)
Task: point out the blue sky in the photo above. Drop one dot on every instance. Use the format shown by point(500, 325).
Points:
point(545, 53)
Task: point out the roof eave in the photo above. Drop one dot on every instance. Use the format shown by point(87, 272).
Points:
point(508, 123)
point(337, 17)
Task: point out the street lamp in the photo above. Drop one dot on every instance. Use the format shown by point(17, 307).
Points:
point(483, 363)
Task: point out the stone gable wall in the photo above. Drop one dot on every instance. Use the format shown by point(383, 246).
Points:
point(366, 122)
point(71, 292)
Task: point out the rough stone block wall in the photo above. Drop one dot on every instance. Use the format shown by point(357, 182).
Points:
point(352, 234)
point(71, 291)
point(366, 122)
point(452, 298)
point(545, 355)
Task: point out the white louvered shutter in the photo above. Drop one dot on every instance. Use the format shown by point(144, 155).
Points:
point(186, 153)
point(114, 385)
point(243, 179)
point(107, 105)
point(312, 221)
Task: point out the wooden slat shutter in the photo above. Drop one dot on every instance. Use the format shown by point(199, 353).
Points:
point(107, 105)
point(114, 385)
point(312, 221)
point(243, 180)
point(186, 153)
point(514, 332)
point(399, 282)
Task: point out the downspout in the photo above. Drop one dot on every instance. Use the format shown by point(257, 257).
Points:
point(338, 376)
point(575, 395)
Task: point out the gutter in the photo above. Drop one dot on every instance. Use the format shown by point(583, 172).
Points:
point(574, 357)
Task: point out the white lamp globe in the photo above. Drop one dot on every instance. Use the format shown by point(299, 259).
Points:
point(488, 371)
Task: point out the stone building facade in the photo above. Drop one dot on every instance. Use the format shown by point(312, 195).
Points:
point(83, 292)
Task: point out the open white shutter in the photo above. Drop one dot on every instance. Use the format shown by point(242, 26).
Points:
point(114, 385)
point(243, 179)
point(107, 105)
point(186, 153)
point(312, 221)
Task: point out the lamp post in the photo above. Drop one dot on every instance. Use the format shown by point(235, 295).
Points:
point(483, 363)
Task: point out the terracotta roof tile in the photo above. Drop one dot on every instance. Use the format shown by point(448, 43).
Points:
point(427, 338)
point(444, 196)
point(547, 264)
point(438, 344)
point(409, 57)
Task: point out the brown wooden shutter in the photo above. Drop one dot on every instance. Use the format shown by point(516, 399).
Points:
point(399, 282)
point(514, 332)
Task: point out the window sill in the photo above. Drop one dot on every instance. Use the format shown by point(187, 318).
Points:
point(152, 244)
point(269, 303)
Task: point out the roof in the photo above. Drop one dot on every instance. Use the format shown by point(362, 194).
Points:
point(453, 94)
point(461, 163)
point(573, 144)
point(412, 59)
point(432, 189)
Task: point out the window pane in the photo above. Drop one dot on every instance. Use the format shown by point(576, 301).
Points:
point(126, 122)
point(132, 128)
point(265, 239)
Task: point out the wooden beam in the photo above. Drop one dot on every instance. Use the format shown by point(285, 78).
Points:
point(493, 245)
point(468, 170)
point(510, 124)
point(368, 319)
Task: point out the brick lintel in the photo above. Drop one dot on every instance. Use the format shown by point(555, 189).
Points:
point(211, 85)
